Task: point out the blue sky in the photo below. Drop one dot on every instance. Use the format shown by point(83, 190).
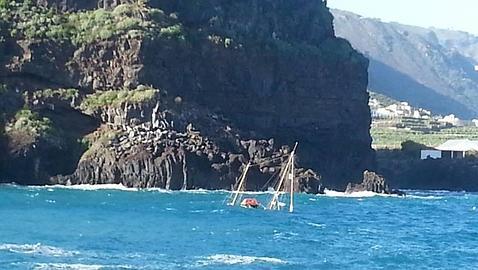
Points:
point(448, 14)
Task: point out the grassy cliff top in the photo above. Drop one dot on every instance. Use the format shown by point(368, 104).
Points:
point(117, 98)
point(25, 20)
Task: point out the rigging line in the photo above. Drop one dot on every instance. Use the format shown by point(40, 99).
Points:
point(272, 159)
point(270, 179)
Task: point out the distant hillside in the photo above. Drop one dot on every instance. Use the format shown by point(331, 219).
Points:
point(430, 68)
point(463, 42)
point(383, 99)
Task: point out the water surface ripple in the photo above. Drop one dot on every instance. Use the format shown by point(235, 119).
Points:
point(58, 228)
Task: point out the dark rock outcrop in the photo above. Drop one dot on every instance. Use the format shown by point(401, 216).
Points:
point(149, 146)
point(242, 77)
point(405, 169)
point(374, 183)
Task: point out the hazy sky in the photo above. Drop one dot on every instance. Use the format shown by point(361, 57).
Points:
point(448, 14)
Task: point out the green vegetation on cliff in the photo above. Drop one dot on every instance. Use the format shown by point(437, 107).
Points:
point(32, 124)
point(117, 98)
point(3, 91)
point(10, 102)
point(30, 21)
point(62, 94)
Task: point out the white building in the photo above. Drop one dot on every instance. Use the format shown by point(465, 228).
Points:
point(451, 119)
point(452, 149)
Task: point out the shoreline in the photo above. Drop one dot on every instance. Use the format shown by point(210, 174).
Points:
point(411, 193)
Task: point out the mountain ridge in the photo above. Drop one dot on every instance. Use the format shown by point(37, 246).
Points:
point(430, 68)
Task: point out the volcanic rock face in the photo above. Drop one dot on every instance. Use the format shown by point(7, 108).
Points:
point(374, 183)
point(242, 81)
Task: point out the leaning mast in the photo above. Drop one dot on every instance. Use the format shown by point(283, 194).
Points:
point(292, 178)
point(241, 184)
point(287, 173)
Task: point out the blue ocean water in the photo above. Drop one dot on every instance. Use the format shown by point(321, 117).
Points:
point(57, 228)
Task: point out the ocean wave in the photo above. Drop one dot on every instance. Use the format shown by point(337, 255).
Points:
point(78, 266)
point(228, 259)
point(120, 187)
point(156, 190)
point(37, 249)
point(315, 225)
point(66, 266)
point(425, 197)
point(362, 194)
point(93, 187)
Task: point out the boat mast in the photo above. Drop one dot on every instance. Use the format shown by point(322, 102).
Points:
point(241, 183)
point(292, 179)
point(274, 202)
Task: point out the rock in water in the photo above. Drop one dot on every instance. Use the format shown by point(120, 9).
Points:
point(374, 183)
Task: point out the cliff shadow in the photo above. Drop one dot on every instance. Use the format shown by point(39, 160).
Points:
point(33, 162)
point(73, 126)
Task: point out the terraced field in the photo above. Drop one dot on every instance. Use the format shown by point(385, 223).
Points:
point(387, 138)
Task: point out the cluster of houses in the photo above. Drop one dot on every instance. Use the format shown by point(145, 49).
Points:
point(403, 115)
point(451, 149)
point(396, 110)
point(401, 110)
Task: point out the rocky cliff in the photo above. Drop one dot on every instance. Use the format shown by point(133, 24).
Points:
point(238, 81)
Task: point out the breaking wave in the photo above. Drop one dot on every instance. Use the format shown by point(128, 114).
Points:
point(37, 249)
point(362, 194)
point(237, 259)
point(78, 266)
point(410, 194)
point(94, 187)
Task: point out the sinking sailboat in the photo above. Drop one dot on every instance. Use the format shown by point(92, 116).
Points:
point(287, 173)
point(247, 202)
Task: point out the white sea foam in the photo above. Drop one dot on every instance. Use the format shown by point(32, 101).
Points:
point(197, 191)
point(158, 190)
point(431, 197)
point(95, 187)
point(248, 192)
point(362, 194)
point(78, 266)
point(228, 259)
point(88, 187)
point(37, 249)
point(369, 194)
point(66, 266)
point(316, 225)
